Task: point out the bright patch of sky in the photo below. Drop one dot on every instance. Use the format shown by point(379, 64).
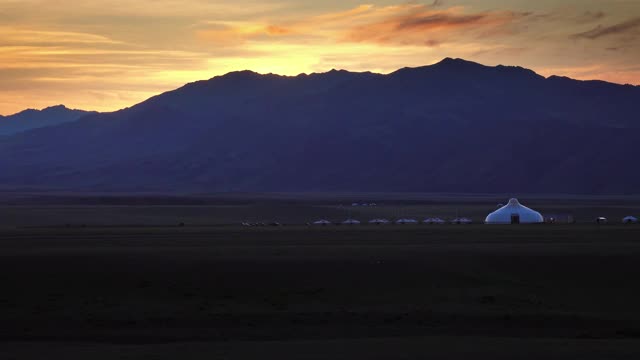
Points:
point(108, 54)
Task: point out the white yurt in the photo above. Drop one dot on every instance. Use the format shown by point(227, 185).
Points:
point(406, 221)
point(379, 221)
point(322, 222)
point(434, 221)
point(461, 221)
point(514, 213)
point(351, 222)
point(630, 220)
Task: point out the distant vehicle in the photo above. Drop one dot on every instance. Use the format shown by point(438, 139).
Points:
point(630, 220)
point(559, 219)
point(601, 220)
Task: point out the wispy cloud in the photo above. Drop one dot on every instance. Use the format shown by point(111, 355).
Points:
point(107, 54)
point(405, 24)
point(419, 24)
point(601, 31)
point(591, 16)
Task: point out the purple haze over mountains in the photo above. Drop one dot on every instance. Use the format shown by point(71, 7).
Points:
point(34, 119)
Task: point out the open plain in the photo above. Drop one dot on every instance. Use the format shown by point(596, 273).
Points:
point(102, 290)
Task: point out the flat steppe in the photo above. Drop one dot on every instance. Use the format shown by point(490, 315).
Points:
point(339, 292)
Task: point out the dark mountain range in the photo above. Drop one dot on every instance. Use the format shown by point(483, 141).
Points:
point(33, 119)
point(455, 126)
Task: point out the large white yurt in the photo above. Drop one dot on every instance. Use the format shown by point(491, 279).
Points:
point(514, 213)
point(630, 220)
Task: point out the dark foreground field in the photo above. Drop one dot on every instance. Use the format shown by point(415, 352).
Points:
point(452, 292)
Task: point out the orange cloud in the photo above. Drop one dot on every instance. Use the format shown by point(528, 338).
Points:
point(276, 30)
point(237, 34)
point(407, 24)
point(108, 54)
point(424, 25)
point(620, 28)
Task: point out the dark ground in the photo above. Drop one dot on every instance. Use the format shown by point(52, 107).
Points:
point(390, 292)
point(60, 209)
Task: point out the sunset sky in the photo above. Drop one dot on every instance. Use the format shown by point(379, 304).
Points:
point(107, 54)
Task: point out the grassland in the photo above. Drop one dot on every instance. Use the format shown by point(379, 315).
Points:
point(156, 290)
point(117, 210)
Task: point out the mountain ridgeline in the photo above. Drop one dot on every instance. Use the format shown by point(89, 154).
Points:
point(34, 119)
point(455, 126)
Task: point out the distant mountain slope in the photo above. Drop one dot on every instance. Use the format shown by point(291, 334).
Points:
point(455, 126)
point(33, 119)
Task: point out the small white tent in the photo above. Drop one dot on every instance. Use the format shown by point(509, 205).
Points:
point(514, 213)
point(630, 220)
point(406, 221)
point(379, 221)
point(461, 221)
point(351, 222)
point(322, 222)
point(434, 221)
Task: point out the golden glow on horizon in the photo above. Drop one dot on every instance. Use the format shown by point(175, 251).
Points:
point(108, 54)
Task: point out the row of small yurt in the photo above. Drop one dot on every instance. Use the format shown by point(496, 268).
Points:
point(323, 222)
point(512, 213)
